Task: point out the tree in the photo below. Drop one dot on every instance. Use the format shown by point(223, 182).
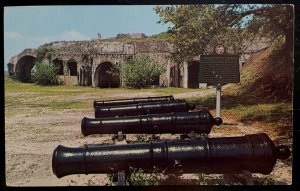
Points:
point(45, 74)
point(195, 27)
point(271, 21)
point(140, 72)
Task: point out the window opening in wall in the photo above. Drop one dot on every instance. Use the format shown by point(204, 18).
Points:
point(72, 68)
point(59, 64)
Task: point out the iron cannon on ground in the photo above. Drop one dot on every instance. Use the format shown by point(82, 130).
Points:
point(255, 153)
point(174, 123)
point(143, 108)
point(132, 101)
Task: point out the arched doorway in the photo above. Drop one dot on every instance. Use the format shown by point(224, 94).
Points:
point(24, 67)
point(59, 63)
point(72, 68)
point(103, 79)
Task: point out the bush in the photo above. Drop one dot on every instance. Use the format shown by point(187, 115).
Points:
point(141, 72)
point(45, 74)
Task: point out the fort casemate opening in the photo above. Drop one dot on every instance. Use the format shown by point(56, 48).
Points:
point(59, 63)
point(72, 68)
point(24, 67)
point(103, 79)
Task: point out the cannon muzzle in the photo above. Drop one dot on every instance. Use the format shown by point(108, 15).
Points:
point(132, 101)
point(174, 123)
point(142, 109)
point(255, 153)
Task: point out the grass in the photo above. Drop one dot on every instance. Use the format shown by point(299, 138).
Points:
point(269, 113)
point(71, 97)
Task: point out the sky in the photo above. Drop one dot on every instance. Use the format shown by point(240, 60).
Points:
point(32, 26)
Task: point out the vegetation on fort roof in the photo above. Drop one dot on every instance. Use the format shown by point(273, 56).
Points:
point(163, 36)
point(42, 53)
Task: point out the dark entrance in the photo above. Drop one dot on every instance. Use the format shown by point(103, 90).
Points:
point(59, 63)
point(155, 82)
point(24, 67)
point(72, 68)
point(193, 68)
point(103, 79)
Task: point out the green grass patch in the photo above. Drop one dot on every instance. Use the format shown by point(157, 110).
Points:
point(270, 113)
point(69, 105)
point(19, 87)
point(174, 91)
point(207, 101)
point(29, 95)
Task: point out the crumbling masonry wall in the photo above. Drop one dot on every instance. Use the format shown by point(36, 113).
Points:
point(89, 57)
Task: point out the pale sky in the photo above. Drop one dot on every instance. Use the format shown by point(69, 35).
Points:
point(32, 26)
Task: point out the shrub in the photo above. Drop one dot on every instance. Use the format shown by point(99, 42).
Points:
point(141, 72)
point(45, 74)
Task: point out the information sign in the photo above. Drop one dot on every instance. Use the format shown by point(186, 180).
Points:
point(219, 69)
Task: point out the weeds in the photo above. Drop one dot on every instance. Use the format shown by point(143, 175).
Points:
point(139, 178)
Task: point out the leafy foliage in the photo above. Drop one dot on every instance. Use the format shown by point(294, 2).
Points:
point(115, 70)
point(198, 27)
point(140, 72)
point(45, 74)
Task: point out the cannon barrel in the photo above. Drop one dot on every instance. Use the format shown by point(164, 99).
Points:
point(132, 101)
point(178, 122)
point(255, 153)
point(142, 108)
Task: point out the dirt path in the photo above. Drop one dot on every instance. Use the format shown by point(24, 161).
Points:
point(32, 133)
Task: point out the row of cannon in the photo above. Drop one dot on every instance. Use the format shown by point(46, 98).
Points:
point(159, 115)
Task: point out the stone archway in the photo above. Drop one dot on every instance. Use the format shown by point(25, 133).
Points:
point(103, 79)
point(24, 67)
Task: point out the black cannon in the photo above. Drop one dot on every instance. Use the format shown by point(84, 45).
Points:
point(142, 108)
point(255, 153)
point(132, 101)
point(175, 123)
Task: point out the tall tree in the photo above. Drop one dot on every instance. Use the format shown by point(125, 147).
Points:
point(197, 26)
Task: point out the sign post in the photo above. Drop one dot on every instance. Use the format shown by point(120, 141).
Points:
point(219, 69)
point(218, 100)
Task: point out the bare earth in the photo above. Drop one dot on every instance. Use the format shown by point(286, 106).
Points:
point(32, 133)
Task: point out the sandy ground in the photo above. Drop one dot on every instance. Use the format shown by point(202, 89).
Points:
point(32, 133)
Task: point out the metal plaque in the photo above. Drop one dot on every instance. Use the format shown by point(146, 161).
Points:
point(219, 69)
